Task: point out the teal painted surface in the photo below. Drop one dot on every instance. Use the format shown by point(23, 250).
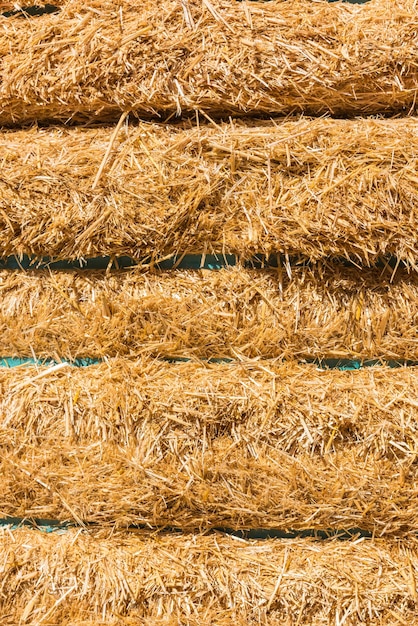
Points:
point(188, 261)
point(46, 525)
point(51, 525)
point(354, 364)
point(8, 361)
point(184, 262)
point(338, 364)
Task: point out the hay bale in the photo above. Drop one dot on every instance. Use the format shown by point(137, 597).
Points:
point(318, 188)
point(202, 446)
point(297, 408)
point(325, 311)
point(94, 61)
point(94, 578)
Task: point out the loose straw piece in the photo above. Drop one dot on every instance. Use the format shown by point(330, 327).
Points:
point(109, 149)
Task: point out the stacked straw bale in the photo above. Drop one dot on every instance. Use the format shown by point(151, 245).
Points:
point(295, 408)
point(94, 61)
point(317, 188)
point(139, 442)
point(196, 447)
point(323, 312)
point(101, 579)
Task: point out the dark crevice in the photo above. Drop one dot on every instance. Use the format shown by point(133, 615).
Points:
point(324, 364)
point(185, 262)
point(53, 525)
point(32, 11)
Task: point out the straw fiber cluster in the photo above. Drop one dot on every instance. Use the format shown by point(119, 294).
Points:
point(93, 61)
point(324, 311)
point(200, 446)
point(318, 188)
point(100, 579)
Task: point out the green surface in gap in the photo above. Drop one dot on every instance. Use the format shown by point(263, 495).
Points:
point(10, 361)
point(53, 525)
point(184, 262)
point(32, 11)
point(336, 364)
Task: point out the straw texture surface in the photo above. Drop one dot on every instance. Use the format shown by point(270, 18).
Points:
point(317, 188)
point(327, 311)
point(196, 446)
point(76, 579)
point(295, 408)
point(94, 61)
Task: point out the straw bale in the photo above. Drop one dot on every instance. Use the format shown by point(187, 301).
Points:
point(201, 446)
point(323, 311)
point(297, 408)
point(93, 61)
point(94, 578)
point(317, 188)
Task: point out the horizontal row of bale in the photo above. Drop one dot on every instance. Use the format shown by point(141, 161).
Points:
point(98, 60)
point(195, 446)
point(299, 409)
point(108, 580)
point(314, 187)
point(325, 311)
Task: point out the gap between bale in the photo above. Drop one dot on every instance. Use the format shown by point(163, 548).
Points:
point(316, 188)
point(192, 446)
point(108, 579)
point(12, 9)
point(323, 311)
point(92, 62)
